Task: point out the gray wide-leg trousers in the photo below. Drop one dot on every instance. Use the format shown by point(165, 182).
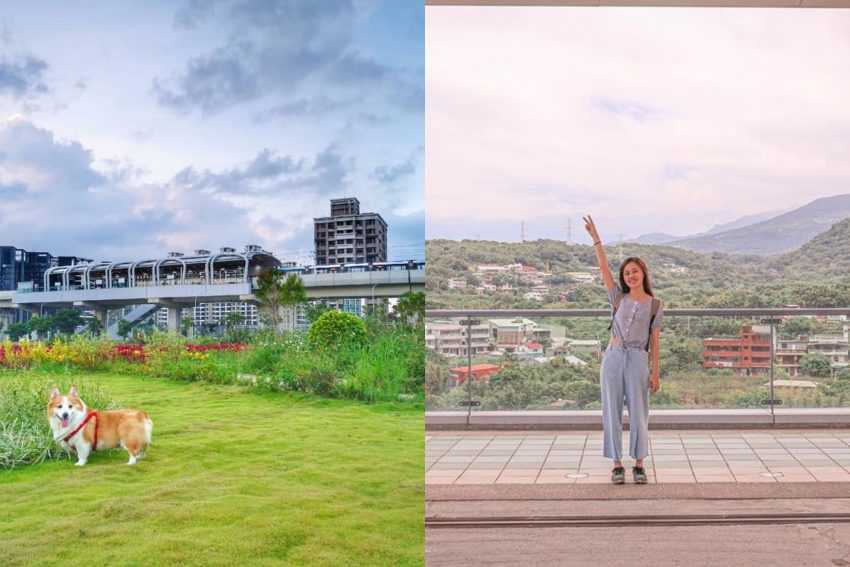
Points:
point(625, 376)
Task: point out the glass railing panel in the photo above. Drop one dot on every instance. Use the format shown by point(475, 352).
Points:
point(546, 361)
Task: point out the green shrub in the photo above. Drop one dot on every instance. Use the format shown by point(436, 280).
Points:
point(335, 329)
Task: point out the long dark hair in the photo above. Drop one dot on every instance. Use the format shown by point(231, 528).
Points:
point(647, 286)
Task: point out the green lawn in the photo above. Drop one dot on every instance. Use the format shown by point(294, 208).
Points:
point(231, 478)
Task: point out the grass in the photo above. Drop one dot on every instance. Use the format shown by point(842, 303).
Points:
point(231, 478)
point(25, 438)
point(387, 367)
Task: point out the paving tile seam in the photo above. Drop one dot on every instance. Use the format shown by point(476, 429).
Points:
point(803, 456)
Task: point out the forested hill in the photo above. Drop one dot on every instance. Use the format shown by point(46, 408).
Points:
point(814, 275)
point(825, 256)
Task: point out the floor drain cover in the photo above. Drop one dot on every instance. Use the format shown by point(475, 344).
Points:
point(772, 474)
point(577, 475)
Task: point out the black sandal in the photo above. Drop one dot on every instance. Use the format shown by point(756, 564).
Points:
point(639, 475)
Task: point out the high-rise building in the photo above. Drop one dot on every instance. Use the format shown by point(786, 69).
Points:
point(17, 266)
point(349, 236)
point(21, 270)
point(37, 263)
point(11, 267)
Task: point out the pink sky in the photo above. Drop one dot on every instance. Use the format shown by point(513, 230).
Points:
point(651, 119)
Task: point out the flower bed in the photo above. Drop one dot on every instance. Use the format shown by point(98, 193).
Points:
point(88, 353)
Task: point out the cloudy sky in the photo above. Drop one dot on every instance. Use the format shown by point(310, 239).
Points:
point(653, 120)
point(128, 130)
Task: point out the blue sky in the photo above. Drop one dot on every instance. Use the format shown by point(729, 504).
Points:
point(131, 130)
point(650, 119)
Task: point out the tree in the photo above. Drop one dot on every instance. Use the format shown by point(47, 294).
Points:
point(268, 294)
point(41, 326)
point(314, 310)
point(232, 320)
point(796, 326)
point(292, 294)
point(124, 328)
point(411, 307)
point(18, 330)
point(66, 321)
point(815, 364)
point(275, 293)
point(94, 326)
point(186, 325)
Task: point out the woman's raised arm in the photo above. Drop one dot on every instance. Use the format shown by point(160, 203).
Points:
point(607, 278)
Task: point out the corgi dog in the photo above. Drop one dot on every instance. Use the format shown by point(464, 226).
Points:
point(75, 427)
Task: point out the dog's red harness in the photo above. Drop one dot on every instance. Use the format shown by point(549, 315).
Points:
point(89, 416)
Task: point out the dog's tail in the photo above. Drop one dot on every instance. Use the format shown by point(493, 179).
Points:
point(148, 429)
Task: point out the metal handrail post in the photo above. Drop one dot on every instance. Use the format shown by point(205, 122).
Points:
point(468, 370)
point(772, 356)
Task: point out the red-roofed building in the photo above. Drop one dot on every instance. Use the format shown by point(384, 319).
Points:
point(479, 372)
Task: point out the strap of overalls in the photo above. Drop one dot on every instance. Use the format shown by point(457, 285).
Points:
point(656, 303)
point(614, 307)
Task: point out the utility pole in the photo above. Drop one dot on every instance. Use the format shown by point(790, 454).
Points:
point(621, 247)
point(522, 231)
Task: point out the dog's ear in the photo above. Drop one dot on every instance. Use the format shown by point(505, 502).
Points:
point(55, 394)
point(73, 392)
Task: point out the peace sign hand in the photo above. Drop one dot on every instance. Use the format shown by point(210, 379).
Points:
point(591, 228)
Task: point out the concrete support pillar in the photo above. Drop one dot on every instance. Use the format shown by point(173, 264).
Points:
point(174, 318)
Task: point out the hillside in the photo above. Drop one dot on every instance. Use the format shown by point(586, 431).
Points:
point(680, 273)
point(566, 276)
point(776, 235)
point(827, 255)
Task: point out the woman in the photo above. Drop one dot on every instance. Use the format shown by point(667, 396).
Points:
point(629, 371)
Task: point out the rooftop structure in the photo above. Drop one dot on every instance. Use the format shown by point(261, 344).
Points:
point(479, 372)
point(201, 268)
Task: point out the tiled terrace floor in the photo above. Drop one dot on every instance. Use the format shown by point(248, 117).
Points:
point(675, 457)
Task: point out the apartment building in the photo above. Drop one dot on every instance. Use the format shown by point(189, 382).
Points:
point(788, 354)
point(747, 354)
point(833, 347)
point(349, 236)
point(214, 314)
point(581, 277)
point(450, 339)
point(511, 333)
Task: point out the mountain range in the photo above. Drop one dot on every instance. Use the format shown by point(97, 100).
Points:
point(764, 234)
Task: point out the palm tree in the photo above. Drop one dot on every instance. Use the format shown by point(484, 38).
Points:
point(275, 293)
point(292, 294)
point(268, 294)
point(411, 307)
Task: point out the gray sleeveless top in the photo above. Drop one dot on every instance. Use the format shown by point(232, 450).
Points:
point(631, 322)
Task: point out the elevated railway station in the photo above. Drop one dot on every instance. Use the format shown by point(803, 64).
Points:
point(180, 281)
